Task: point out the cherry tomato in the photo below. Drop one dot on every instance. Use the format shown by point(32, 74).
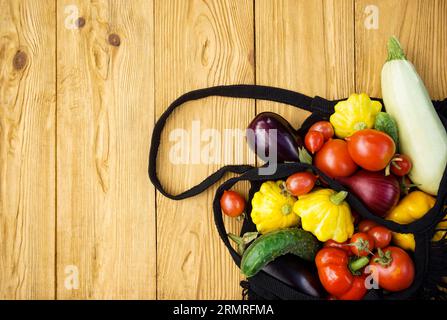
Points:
point(339, 245)
point(362, 244)
point(334, 159)
point(314, 140)
point(366, 225)
point(401, 165)
point(394, 268)
point(232, 203)
point(300, 183)
point(371, 149)
point(325, 127)
point(382, 236)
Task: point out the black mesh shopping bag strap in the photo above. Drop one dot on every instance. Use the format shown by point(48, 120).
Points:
point(430, 258)
point(315, 105)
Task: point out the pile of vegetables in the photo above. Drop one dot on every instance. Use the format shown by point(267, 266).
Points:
point(307, 235)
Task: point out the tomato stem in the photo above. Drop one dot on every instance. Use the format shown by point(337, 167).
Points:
point(361, 245)
point(388, 169)
point(384, 258)
point(241, 217)
point(393, 163)
point(284, 191)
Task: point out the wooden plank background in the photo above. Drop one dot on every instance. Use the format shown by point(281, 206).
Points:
point(81, 85)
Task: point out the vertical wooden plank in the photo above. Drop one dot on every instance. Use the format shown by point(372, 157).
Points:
point(199, 44)
point(421, 27)
point(305, 46)
point(105, 114)
point(27, 149)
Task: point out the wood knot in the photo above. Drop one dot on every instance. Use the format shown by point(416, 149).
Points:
point(114, 40)
point(20, 59)
point(80, 22)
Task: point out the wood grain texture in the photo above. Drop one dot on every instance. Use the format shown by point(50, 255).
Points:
point(105, 114)
point(78, 100)
point(27, 149)
point(305, 46)
point(199, 44)
point(421, 28)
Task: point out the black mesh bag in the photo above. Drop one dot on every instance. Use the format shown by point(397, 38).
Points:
point(430, 257)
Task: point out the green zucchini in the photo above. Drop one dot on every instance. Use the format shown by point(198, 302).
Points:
point(385, 123)
point(271, 245)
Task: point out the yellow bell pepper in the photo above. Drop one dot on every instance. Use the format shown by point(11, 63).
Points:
point(272, 208)
point(411, 208)
point(325, 213)
point(357, 113)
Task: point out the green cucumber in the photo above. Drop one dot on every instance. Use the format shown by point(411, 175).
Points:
point(385, 123)
point(271, 245)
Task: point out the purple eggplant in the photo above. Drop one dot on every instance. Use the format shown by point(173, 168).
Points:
point(287, 139)
point(297, 273)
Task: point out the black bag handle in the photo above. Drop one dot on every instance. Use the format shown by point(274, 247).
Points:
point(315, 105)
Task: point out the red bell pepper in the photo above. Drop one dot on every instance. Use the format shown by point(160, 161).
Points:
point(337, 276)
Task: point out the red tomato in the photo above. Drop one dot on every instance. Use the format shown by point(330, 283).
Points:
point(339, 245)
point(362, 244)
point(334, 159)
point(401, 165)
point(371, 149)
point(366, 225)
point(394, 268)
point(314, 140)
point(300, 183)
point(325, 127)
point(381, 235)
point(232, 203)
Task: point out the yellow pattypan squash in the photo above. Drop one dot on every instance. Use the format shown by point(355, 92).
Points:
point(411, 208)
point(272, 208)
point(357, 113)
point(325, 213)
